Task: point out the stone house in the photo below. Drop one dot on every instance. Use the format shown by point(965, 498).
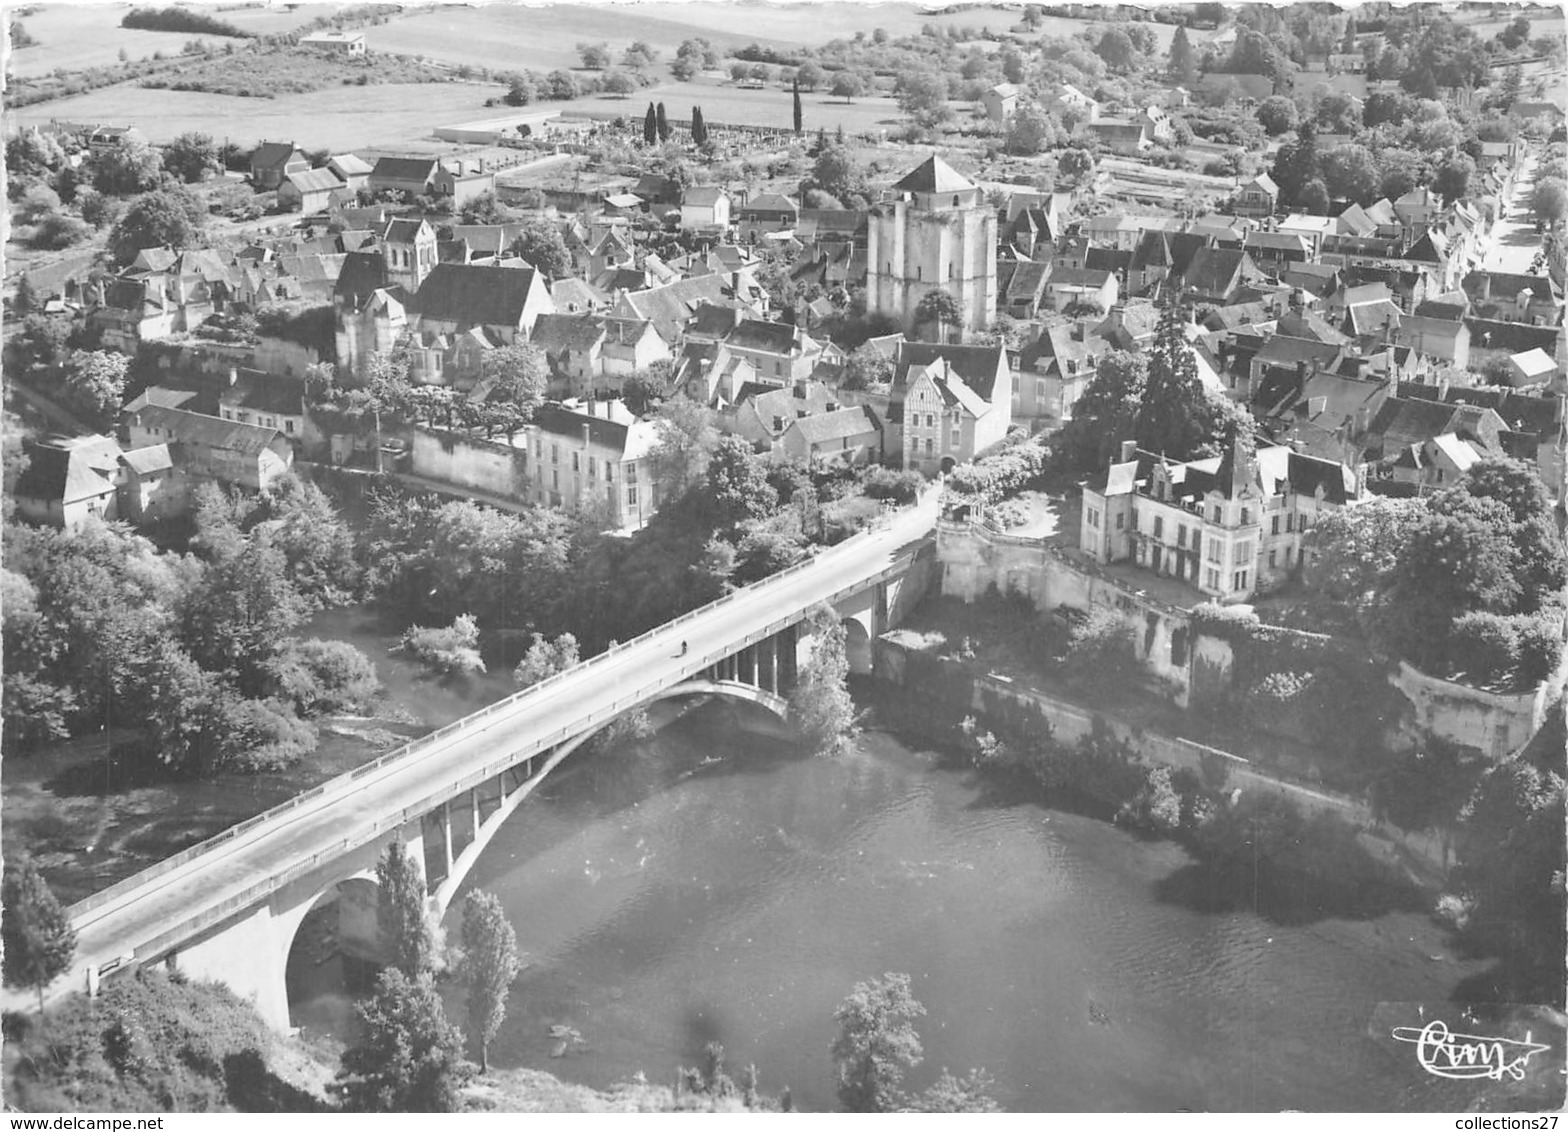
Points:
point(705, 208)
point(593, 455)
point(309, 191)
point(1000, 101)
point(851, 435)
point(948, 403)
point(1231, 526)
point(244, 455)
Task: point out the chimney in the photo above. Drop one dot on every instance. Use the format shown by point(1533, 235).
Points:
point(234, 375)
point(587, 429)
point(1129, 450)
point(1301, 378)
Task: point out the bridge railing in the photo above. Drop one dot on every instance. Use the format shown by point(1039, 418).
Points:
point(468, 722)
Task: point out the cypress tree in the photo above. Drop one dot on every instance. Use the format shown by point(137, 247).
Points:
point(662, 124)
point(796, 89)
point(1184, 64)
point(400, 913)
point(26, 301)
point(699, 128)
point(650, 126)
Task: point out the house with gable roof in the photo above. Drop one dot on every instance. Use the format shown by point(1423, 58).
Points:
point(948, 403)
point(272, 162)
point(413, 175)
point(309, 190)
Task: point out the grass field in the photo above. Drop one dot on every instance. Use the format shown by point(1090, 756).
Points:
point(722, 102)
point(343, 118)
point(87, 35)
point(544, 38)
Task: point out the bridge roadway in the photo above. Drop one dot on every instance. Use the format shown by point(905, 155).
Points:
point(145, 914)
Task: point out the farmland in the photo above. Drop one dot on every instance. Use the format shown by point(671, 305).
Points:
point(343, 118)
point(506, 37)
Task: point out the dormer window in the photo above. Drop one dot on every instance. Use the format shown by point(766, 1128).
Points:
point(955, 201)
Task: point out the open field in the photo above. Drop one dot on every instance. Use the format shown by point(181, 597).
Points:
point(343, 118)
point(88, 35)
point(722, 102)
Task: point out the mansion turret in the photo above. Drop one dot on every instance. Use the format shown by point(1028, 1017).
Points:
point(938, 233)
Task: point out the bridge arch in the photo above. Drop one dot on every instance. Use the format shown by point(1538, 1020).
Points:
point(333, 947)
point(857, 646)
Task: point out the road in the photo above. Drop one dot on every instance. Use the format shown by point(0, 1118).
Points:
point(352, 808)
point(1514, 240)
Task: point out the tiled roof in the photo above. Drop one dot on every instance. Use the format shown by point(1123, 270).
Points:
point(473, 295)
point(555, 333)
point(771, 337)
point(404, 169)
point(315, 180)
point(207, 432)
point(933, 175)
point(981, 367)
point(69, 469)
point(272, 154)
point(837, 425)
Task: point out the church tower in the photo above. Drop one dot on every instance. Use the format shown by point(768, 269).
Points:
point(937, 234)
point(409, 249)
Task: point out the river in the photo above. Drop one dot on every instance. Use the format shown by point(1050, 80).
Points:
point(709, 885)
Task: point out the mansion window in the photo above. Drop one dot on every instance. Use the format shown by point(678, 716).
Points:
point(1159, 526)
point(1039, 388)
point(631, 495)
point(555, 453)
point(1216, 551)
point(577, 462)
point(1274, 525)
point(1121, 520)
point(593, 467)
point(631, 470)
point(958, 438)
point(1094, 517)
point(1273, 559)
point(1211, 578)
point(1217, 513)
point(1181, 536)
point(1246, 516)
point(930, 447)
point(1244, 552)
point(1239, 581)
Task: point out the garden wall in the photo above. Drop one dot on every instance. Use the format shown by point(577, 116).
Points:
point(1496, 724)
point(482, 465)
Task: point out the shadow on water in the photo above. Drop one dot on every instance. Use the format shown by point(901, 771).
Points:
point(1287, 897)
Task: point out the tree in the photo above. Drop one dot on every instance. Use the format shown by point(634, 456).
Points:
point(867, 368)
point(1350, 172)
point(877, 1043)
point(1313, 197)
point(699, 127)
point(1032, 130)
point(1549, 200)
point(1354, 550)
point(650, 126)
point(640, 55)
point(687, 435)
point(1183, 68)
point(486, 208)
point(518, 374)
point(38, 939)
point(923, 96)
point(1277, 114)
point(1115, 47)
point(541, 244)
point(644, 390)
point(662, 123)
point(243, 611)
point(129, 166)
point(820, 708)
point(618, 83)
point(738, 483)
point(1296, 163)
point(97, 209)
point(520, 91)
point(447, 649)
point(847, 85)
point(561, 86)
point(165, 218)
point(490, 963)
point(192, 157)
point(95, 383)
point(409, 1058)
point(684, 68)
point(836, 172)
point(940, 307)
point(545, 658)
point(1102, 649)
point(595, 56)
point(809, 75)
point(970, 1093)
point(1452, 180)
point(404, 928)
point(1338, 113)
point(1075, 165)
point(25, 301)
point(795, 99)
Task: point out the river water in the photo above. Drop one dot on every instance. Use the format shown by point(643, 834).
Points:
point(709, 885)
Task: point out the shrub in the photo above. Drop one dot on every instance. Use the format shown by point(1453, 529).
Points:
point(993, 478)
point(885, 483)
point(1101, 651)
point(1157, 805)
point(260, 736)
point(180, 19)
point(1484, 645)
point(326, 676)
point(454, 649)
point(149, 1043)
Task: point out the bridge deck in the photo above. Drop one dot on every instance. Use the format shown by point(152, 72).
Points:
point(150, 912)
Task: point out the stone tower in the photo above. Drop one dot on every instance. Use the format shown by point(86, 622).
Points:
point(937, 234)
point(409, 249)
